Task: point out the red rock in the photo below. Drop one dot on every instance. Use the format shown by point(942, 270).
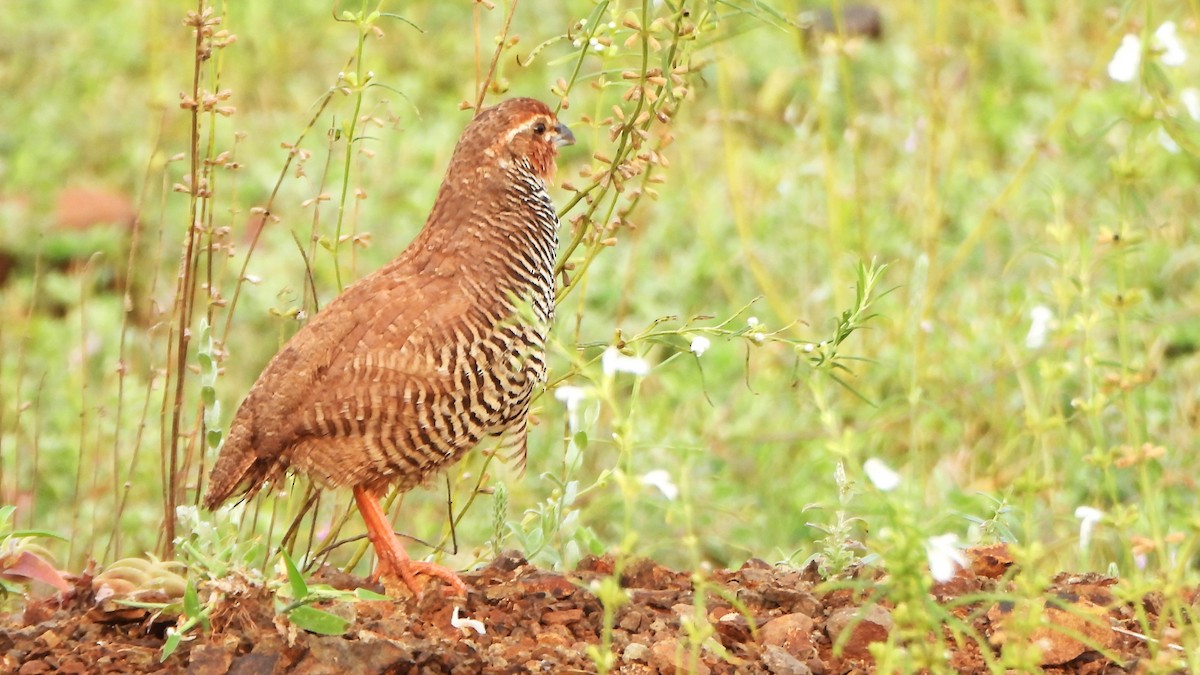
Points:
point(563, 616)
point(790, 632)
point(990, 562)
point(34, 668)
point(670, 658)
point(867, 625)
point(779, 662)
point(1054, 637)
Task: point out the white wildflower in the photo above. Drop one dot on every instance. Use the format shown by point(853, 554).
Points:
point(1190, 97)
point(463, 623)
point(1126, 60)
point(614, 361)
point(571, 397)
point(1088, 517)
point(661, 479)
point(1039, 326)
point(881, 474)
point(752, 321)
point(1168, 143)
point(758, 337)
point(945, 557)
point(700, 344)
point(189, 515)
point(1172, 50)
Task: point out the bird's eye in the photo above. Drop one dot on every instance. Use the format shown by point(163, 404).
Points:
point(539, 128)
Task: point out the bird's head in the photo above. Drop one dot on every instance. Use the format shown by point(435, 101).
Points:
point(519, 130)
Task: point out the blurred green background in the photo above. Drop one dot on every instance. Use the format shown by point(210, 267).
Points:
point(980, 150)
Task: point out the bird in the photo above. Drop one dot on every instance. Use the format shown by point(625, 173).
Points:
point(410, 367)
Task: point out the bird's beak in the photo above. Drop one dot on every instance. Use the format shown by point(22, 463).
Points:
point(565, 137)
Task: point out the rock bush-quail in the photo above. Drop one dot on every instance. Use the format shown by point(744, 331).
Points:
point(411, 366)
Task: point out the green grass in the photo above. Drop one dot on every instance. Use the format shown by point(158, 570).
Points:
point(980, 151)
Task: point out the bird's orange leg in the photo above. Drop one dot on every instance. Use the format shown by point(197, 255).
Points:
point(392, 558)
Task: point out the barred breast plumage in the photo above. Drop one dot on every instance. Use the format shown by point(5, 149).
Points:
point(410, 367)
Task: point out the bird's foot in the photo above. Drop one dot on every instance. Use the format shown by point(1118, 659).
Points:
point(414, 574)
point(393, 561)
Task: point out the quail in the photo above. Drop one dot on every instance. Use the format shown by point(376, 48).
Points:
point(412, 366)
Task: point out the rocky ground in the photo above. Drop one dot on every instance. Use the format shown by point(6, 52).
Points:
point(759, 619)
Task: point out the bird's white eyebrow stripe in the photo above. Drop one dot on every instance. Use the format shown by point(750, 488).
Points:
point(516, 130)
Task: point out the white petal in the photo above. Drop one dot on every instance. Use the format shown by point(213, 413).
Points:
point(614, 361)
point(661, 479)
point(461, 623)
point(700, 344)
point(1125, 62)
point(1088, 517)
point(569, 395)
point(1191, 100)
point(881, 474)
point(1172, 50)
point(1168, 143)
point(1039, 325)
point(944, 556)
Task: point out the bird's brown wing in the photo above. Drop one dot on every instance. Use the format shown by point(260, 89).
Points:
point(313, 388)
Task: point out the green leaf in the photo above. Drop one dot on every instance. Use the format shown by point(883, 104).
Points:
point(36, 533)
point(319, 621)
point(368, 594)
point(299, 588)
point(191, 600)
point(6, 513)
point(170, 645)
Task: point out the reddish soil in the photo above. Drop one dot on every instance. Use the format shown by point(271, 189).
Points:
point(539, 621)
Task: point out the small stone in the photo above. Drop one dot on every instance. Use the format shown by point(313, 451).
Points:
point(630, 621)
point(791, 632)
point(668, 657)
point(733, 627)
point(1054, 639)
point(563, 616)
point(550, 639)
point(34, 668)
point(636, 652)
point(645, 573)
point(549, 584)
point(72, 667)
point(868, 625)
point(990, 562)
point(780, 662)
point(507, 561)
point(209, 660)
